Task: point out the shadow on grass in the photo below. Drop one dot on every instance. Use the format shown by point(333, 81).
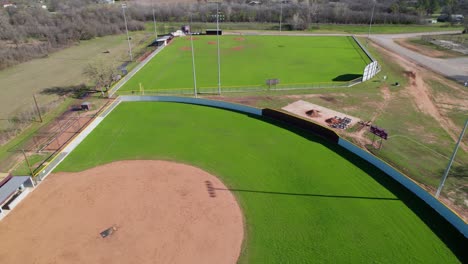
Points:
point(346, 77)
point(76, 91)
point(454, 240)
point(309, 194)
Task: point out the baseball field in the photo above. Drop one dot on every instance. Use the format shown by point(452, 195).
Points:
point(302, 199)
point(248, 61)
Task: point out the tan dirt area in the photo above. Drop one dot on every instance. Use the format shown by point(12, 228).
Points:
point(163, 212)
point(426, 50)
point(300, 107)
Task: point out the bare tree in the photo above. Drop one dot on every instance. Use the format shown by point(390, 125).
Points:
point(101, 74)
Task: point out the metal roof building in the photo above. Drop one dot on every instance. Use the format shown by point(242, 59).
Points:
point(13, 191)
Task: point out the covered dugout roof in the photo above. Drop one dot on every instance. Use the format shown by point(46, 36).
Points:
point(10, 187)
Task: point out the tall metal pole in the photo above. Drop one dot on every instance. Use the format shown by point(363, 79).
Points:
point(442, 182)
point(372, 18)
point(27, 162)
point(124, 6)
point(193, 60)
point(37, 108)
point(154, 22)
point(219, 59)
point(281, 14)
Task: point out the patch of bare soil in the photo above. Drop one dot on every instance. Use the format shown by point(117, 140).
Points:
point(184, 48)
point(421, 94)
point(158, 212)
point(425, 50)
point(301, 108)
point(239, 39)
point(211, 42)
point(237, 48)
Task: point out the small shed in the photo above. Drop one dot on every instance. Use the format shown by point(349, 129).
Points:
point(163, 41)
point(86, 106)
point(13, 191)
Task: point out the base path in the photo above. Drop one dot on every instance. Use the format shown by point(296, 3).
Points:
point(163, 212)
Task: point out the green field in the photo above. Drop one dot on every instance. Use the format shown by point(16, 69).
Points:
point(304, 200)
point(247, 61)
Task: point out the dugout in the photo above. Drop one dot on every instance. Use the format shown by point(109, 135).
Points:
point(12, 191)
point(214, 32)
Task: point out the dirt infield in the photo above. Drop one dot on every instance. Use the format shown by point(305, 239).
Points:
point(164, 212)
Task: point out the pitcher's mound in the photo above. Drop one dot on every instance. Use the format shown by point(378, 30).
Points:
point(159, 212)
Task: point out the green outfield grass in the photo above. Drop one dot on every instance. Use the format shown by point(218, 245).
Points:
point(250, 60)
point(304, 200)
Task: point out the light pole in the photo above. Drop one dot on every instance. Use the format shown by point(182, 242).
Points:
point(219, 57)
point(281, 13)
point(154, 22)
point(442, 182)
point(193, 60)
point(124, 6)
point(217, 36)
point(372, 18)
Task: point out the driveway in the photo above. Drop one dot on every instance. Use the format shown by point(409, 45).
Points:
point(454, 68)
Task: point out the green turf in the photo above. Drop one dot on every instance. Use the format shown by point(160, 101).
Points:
point(304, 201)
point(252, 60)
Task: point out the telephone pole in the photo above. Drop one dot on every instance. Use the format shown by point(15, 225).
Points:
point(124, 6)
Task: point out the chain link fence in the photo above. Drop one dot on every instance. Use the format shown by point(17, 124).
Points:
point(240, 89)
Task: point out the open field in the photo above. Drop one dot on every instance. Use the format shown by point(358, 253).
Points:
point(247, 61)
point(62, 69)
point(302, 199)
point(314, 28)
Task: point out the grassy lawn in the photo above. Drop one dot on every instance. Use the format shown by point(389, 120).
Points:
point(60, 69)
point(303, 199)
point(248, 61)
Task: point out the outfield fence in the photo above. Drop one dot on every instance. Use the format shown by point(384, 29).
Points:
point(240, 89)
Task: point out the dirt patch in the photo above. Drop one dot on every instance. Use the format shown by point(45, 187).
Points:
point(421, 94)
point(328, 98)
point(163, 212)
point(211, 42)
point(237, 48)
point(239, 39)
point(427, 51)
point(144, 56)
point(301, 108)
point(193, 38)
point(185, 48)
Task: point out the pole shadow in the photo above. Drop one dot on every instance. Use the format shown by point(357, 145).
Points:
point(308, 194)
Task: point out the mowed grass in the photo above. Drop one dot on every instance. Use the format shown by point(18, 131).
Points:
point(304, 201)
point(250, 61)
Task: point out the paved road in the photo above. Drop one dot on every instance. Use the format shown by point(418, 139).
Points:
point(456, 68)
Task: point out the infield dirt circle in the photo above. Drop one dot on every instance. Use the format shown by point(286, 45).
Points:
point(164, 212)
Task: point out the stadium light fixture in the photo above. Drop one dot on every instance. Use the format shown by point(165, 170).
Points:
point(371, 19)
point(124, 6)
point(444, 178)
point(154, 22)
point(217, 36)
point(281, 14)
point(195, 92)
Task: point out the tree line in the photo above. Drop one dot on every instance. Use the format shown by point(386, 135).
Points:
point(27, 30)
